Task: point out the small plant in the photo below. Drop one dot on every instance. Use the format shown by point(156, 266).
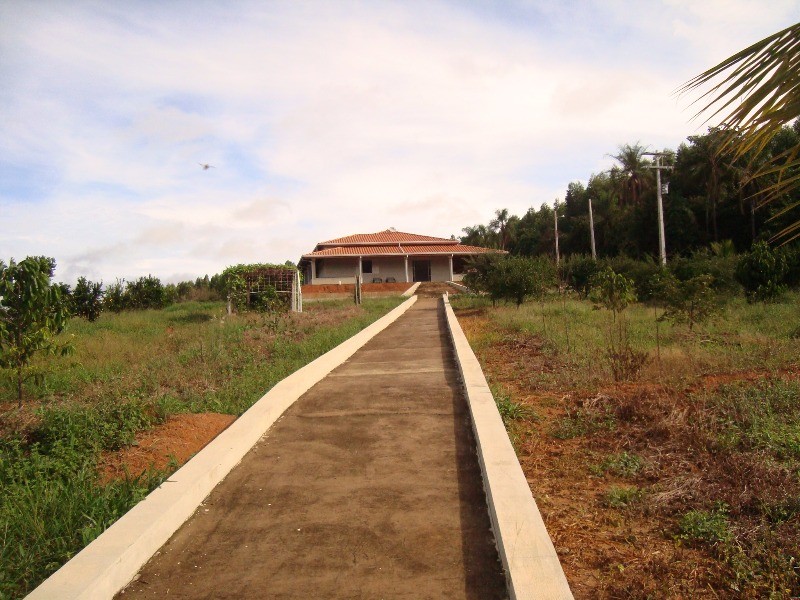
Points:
point(622, 496)
point(32, 313)
point(612, 291)
point(511, 411)
point(691, 301)
point(709, 527)
point(623, 465)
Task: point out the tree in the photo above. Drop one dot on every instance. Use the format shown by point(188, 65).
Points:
point(633, 167)
point(761, 272)
point(87, 299)
point(612, 291)
point(500, 225)
point(759, 94)
point(33, 311)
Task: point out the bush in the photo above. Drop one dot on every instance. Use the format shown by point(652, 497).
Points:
point(639, 272)
point(761, 272)
point(578, 271)
point(721, 267)
point(612, 291)
point(145, 292)
point(691, 301)
point(87, 299)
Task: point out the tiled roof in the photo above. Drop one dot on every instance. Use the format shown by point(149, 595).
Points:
point(398, 250)
point(383, 237)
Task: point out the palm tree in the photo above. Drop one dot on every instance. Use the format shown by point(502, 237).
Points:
point(758, 94)
point(500, 225)
point(633, 166)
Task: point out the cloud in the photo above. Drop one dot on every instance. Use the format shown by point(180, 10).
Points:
point(324, 119)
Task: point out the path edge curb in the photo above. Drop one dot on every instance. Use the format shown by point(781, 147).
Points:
point(530, 562)
point(113, 559)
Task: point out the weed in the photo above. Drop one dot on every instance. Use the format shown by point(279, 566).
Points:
point(622, 465)
point(511, 411)
point(710, 527)
point(622, 496)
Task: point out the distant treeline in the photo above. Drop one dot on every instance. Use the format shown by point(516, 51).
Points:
point(89, 299)
point(710, 199)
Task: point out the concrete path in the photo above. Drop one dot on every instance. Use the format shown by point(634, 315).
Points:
point(368, 487)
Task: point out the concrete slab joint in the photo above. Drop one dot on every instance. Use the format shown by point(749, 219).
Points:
point(532, 567)
point(106, 565)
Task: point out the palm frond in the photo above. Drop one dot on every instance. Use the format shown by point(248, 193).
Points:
point(758, 93)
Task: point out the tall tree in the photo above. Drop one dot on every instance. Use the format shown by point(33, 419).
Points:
point(633, 168)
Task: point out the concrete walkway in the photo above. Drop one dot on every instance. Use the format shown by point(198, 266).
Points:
point(367, 487)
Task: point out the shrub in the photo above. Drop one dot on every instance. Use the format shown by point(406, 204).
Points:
point(87, 299)
point(578, 271)
point(691, 301)
point(612, 291)
point(145, 292)
point(761, 271)
point(709, 527)
point(639, 272)
point(623, 496)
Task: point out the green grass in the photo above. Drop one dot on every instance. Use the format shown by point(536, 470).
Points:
point(738, 336)
point(621, 465)
point(129, 372)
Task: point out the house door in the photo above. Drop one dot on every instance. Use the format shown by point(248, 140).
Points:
point(422, 270)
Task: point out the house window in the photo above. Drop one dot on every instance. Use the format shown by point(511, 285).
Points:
point(320, 267)
point(366, 266)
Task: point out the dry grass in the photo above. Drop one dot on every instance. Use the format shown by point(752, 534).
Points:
point(713, 421)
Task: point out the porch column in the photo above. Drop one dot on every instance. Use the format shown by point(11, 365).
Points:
point(313, 270)
point(360, 266)
point(451, 267)
point(406, 260)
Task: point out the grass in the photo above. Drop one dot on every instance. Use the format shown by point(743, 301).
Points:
point(131, 371)
point(694, 461)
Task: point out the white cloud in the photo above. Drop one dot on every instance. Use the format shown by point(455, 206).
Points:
point(323, 119)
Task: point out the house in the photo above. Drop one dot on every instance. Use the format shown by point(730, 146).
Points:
point(385, 257)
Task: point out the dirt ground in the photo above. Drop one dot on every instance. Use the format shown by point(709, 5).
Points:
point(367, 487)
point(613, 551)
point(172, 442)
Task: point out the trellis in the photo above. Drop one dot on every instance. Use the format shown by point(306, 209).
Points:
point(252, 282)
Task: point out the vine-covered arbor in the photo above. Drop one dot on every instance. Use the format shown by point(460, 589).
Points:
point(263, 287)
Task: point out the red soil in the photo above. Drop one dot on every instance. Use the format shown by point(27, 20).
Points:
point(178, 439)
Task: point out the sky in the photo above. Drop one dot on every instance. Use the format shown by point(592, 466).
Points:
point(325, 118)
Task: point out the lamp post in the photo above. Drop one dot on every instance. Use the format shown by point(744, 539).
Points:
point(662, 250)
point(591, 229)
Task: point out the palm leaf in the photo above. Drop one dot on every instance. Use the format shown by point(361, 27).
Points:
point(758, 93)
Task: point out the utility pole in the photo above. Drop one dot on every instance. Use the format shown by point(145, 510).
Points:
point(591, 229)
point(555, 215)
point(662, 250)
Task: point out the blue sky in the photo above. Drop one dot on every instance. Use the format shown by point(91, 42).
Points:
point(324, 118)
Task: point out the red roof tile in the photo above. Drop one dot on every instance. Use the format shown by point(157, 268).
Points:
point(398, 250)
point(384, 237)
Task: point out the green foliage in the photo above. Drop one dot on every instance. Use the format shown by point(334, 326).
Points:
point(32, 313)
point(623, 496)
point(622, 465)
point(509, 410)
point(709, 527)
point(115, 296)
point(510, 278)
point(762, 417)
point(578, 271)
point(87, 299)
point(145, 292)
point(612, 291)
point(691, 301)
point(761, 272)
point(239, 279)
